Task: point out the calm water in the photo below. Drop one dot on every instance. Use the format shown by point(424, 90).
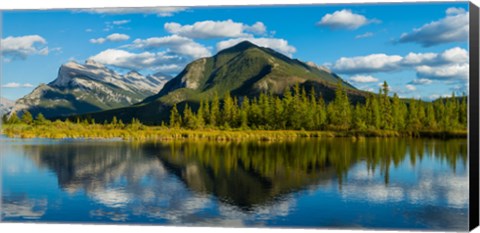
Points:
point(329, 183)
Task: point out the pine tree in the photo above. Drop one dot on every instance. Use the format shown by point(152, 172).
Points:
point(40, 119)
point(278, 114)
point(430, 120)
point(200, 119)
point(398, 115)
point(189, 120)
point(373, 112)
point(288, 108)
point(414, 123)
point(27, 117)
point(175, 118)
point(235, 113)
point(340, 112)
point(227, 111)
point(463, 112)
point(387, 108)
point(114, 121)
point(244, 113)
point(215, 111)
point(359, 118)
point(322, 113)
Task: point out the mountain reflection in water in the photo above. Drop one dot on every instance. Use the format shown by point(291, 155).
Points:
point(249, 183)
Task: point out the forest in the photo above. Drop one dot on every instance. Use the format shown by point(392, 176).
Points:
point(297, 112)
point(302, 110)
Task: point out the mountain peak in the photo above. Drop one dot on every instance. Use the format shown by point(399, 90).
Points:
point(92, 62)
point(244, 45)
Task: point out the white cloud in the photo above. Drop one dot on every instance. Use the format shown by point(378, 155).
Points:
point(367, 64)
point(214, 29)
point(23, 46)
point(450, 66)
point(345, 19)
point(455, 11)
point(138, 61)
point(97, 41)
point(421, 81)
point(452, 28)
point(457, 55)
point(444, 72)
point(175, 44)
point(428, 65)
point(115, 37)
point(280, 45)
point(410, 87)
point(258, 28)
point(419, 58)
point(121, 22)
point(453, 55)
point(363, 79)
point(17, 85)
point(364, 35)
point(159, 11)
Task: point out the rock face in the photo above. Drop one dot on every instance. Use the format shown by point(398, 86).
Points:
point(5, 106)
point(242, 70)
point(89, 87)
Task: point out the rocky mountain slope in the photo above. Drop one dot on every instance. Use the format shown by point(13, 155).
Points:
point(89, 87)
point(5, 106)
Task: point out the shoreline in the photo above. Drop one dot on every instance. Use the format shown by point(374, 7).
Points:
point(92, 132)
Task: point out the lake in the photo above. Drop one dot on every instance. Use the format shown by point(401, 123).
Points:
point(337, 183)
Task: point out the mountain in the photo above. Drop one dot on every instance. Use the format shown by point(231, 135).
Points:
point(89, 87)
point(5, 106)
point(242, 70)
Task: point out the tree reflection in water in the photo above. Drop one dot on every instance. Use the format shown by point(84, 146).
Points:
point(246, 174)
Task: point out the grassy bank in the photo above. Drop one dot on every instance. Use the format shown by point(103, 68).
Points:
point(59, 130)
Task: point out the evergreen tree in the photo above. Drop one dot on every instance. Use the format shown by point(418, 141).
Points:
point(387, 108)
point(227, 111)
point(340, 112)
point(359, 117)
point(430, 120)
point(189, 119)
point(200, 119)
point(40, 119)
point(175, 117)
point(398, 115)
point(373, 112)
point(278, 114)
point(27, 117)
point(321, 116)
point(463, 112)
point(244, 113)
point(215, 111)
point(414, 123)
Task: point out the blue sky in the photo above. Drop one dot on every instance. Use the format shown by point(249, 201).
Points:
point(421, 50)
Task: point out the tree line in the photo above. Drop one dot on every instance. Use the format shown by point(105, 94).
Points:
point(298, 109)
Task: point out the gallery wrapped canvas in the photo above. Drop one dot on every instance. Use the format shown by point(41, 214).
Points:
point(318, 116)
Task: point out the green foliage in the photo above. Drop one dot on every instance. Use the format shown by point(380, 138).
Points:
point(27, 118)
point(175, 117)
point(298, 109)
point(41, 120)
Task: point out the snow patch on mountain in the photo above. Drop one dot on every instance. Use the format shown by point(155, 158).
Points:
point(91, 86)
point(5, 106)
